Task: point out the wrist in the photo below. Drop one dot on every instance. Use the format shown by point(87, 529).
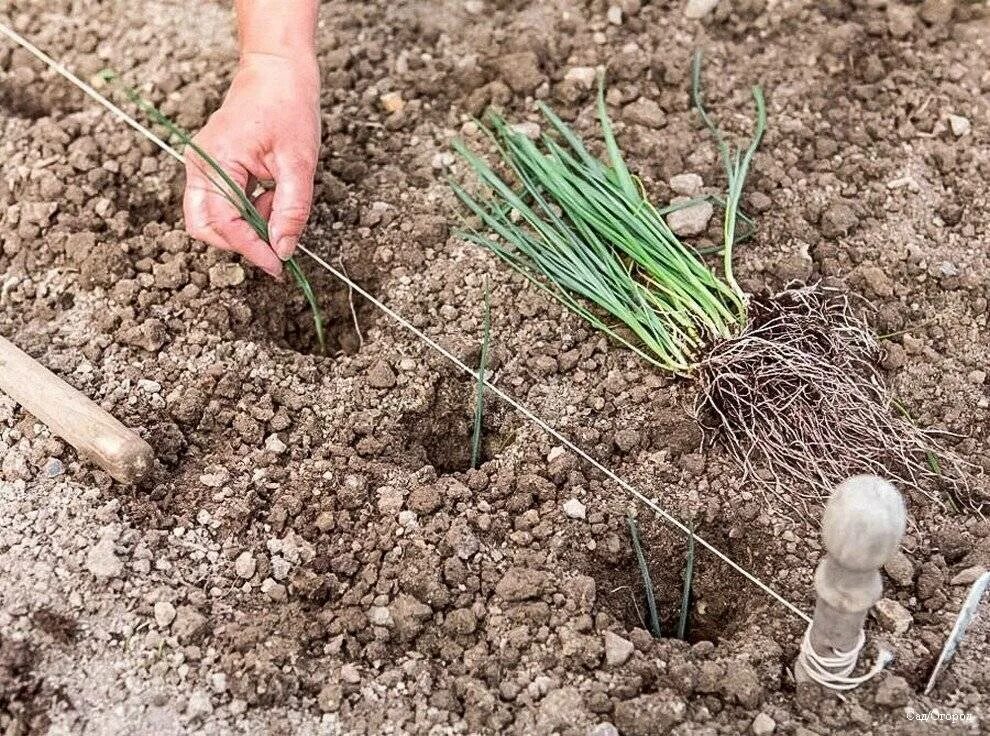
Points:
point(301, 65)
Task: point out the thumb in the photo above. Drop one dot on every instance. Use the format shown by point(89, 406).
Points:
point(291, 203)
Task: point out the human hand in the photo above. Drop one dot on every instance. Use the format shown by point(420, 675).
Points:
point(267, 129)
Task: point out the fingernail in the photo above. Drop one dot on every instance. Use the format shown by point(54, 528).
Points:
point(275, 274)
point(285, 246)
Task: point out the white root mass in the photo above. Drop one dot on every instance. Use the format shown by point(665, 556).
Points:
point(796, 396)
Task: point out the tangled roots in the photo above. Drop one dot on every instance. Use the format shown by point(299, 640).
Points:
point(797, 397)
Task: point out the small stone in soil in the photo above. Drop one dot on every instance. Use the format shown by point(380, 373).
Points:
point(582, 76)
point(274, 444)
point(968, 576)
point(392, 102)
point(245, 565)
point(574, 509)
point(199, 705)
point(614, 15)
point(688, 185)
point(763, 725)
point(102, 561)
point(226, 274)
point(528, 129)
point(164, 613)
point(899, 568)
point(892, 616)
point(697, 9)
point(959, 125)
point(381, 375)
point(644, 112)
point(893, 692)
point(603, 729)
point(275, 591)
point(617, 649)
point(691, 220)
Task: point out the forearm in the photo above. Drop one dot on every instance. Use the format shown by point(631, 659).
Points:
point(284, 28)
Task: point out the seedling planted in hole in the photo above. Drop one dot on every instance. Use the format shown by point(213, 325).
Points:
point(234, 194)
point(653, 620)
point(479, 397)
point(684, 620)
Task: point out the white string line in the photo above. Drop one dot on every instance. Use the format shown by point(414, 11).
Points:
point(402, 321)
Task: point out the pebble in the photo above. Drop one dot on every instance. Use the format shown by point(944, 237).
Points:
point(838, 219)
point(521, 71)
point(627, 440)
point(959, 125)
point(968, 576)
point(893, 692)
point(381, 375)
point(330, 697)
point(614, 15)
point(530, 130)
point(697, 9)
point(280, 567)
point(199, 705)
point(380, 616)
point(392, 102)
point(54, 468)
point(617, 649)
point(102, 561)
point(900, 569)
point(275, 591)
point(226, 274)
point(651, 714)
point(892, 616)
point(688, 184)
point(574, 509)
point(188, 624)
point(763, 725)
point(274, 444)
point(350, 674)
point(603, 729)
point(644, 112)
point(245, 565)
point(692, 220)
point(936, 12)
point(581, 76)
point(900, 19)
point(164, 613)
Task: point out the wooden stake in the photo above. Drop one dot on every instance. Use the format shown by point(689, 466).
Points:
point(68, 413)
point(862, 526)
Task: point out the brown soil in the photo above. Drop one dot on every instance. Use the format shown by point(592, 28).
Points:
point(314, 553)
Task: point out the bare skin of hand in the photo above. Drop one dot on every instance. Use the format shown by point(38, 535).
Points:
point(267, 130)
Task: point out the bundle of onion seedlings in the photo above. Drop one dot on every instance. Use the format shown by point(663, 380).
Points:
point(787, 379)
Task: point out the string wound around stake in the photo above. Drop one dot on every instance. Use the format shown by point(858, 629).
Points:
point(862, 526)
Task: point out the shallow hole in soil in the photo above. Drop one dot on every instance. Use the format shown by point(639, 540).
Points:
point(442, 435)
point(722, 602)
point(19, 103)
point(283, 318)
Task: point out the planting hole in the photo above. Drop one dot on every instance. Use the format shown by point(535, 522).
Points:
point(441, 436)
point(721, 603)
point(281, 316)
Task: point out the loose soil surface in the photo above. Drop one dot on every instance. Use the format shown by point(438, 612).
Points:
point(314, 554)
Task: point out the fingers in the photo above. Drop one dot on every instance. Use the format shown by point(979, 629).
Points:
point(290, 203)
point(210, 217)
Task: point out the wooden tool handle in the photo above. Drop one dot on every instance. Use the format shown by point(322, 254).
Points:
point(72, 416)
